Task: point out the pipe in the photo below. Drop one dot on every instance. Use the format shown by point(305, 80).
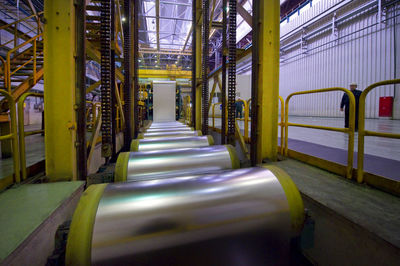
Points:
point(115, 222)
point(135, 166)
point(169, 134)
point(171, 143)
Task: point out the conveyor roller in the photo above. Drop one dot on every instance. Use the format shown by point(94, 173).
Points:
point(114, 222)
point(171, 143)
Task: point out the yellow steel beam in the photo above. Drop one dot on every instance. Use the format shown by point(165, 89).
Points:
point(268, 83)
point(59, 90)
point(245, 15)
point(157, 73)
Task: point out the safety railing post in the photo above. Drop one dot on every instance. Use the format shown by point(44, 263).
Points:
point(349, 131)
point(22, 133)
point(362, 133)
point(282, 123)
point(13, 135)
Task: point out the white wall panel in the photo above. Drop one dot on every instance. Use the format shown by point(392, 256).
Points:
point(364, 53)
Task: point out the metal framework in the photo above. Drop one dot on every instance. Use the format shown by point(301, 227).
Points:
point(204, 69)
point(232, 72)
point(105, 35)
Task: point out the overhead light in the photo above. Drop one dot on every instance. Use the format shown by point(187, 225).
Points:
point(123, 19)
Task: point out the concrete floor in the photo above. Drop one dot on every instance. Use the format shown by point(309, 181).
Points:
point(381, 147)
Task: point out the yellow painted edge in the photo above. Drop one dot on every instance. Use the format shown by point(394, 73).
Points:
point(234, 158)
point(292, 195)
point(79, 242)
point(210, 140)
point(134, 145)
point(140, 136)
point(121, 167)
point(199, 133)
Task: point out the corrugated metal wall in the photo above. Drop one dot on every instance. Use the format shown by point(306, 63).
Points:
point(363, 51)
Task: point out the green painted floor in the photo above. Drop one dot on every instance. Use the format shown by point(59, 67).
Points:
point(377, 211)
point(25, 207)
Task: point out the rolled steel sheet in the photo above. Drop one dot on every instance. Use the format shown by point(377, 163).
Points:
point(168, 134)
point(171, 143)
point(146, 165)
point(166, 124)
point(169, 129)
point(134, 218)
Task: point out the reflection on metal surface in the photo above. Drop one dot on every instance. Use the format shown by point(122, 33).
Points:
point(143, 216)
point(169, 129)
point(166, 124)
point(170, 143)
point(169, 134)
point(177, 162)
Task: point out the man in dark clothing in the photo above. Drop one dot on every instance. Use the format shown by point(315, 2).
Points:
point(346, 104)
point(239, 108)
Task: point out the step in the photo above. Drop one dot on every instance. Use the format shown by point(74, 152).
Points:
point(31, 214)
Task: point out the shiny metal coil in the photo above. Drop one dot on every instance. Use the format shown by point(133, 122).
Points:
point(168, 134)
point(171, 143)
point(146, 165)
point(138, 217)
point(169, 129)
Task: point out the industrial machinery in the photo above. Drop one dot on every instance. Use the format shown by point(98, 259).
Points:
point(134, 166)
point(171, 143)
point(113, 223)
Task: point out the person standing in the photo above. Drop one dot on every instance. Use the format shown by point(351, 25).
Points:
point(345, 104)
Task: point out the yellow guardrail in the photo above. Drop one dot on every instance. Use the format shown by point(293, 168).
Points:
point(22, 133)
point(33, 42)
point(13, 136)
point(282, 124)
point(349, 131)
point(362, 133)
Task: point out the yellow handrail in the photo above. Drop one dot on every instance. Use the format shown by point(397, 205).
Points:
point(22, 133)
point(4, 70)
point(213, 114)
point(361, 127)
point(349, 130)
point(282, 124)
point(13, 135)
point(21, 20)
point(8, 60)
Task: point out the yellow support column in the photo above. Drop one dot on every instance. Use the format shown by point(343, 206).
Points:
point(198, 63)
point(268, 83)
point(59, 89)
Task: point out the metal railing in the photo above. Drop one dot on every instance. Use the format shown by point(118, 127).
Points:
point(22, 133)
point(33, 41)
point(13, 135)
point(362, 133)
point(14, 25)
point(349, 131)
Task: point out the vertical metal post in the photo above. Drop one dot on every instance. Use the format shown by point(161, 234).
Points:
point(268, 81)
point(194, 49)
point(127, 75)
point(232, 72)
point(223, 87)
point(198, 64)
point(105, 49)
point(136, 66)
point(204, 69)
point(254, 82)
point(81, 90)
point(59, 90)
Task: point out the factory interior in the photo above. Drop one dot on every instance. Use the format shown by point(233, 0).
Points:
point(199, 132)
